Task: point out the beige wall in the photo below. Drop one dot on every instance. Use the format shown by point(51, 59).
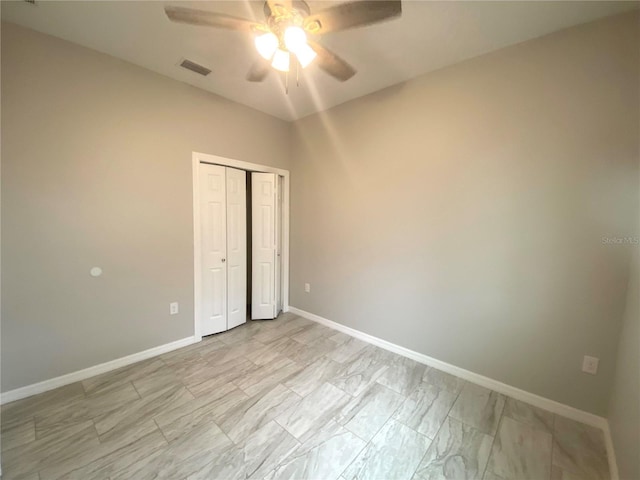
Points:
point(97, 172)
point(461, 214)
point(624, 408)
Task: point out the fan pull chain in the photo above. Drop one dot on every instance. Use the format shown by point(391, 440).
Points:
point(297, 74)
point(286, 83)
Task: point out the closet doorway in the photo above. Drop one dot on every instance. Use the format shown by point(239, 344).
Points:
point(241, 242)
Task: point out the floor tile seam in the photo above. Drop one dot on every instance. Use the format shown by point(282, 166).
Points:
point(364, 447)
point(35, 435)
point(553, 443)
point(188, 390)
point(212, 363)
point(464, 383)
point(446, 417)
point(367, 443)
point(393, 414)
point(31, 418)
point(439, 391)
point(493, 442)
point(160, 430)
point(76, 467)
point(163, 361)
point(290, 455)
point(232, 444)
point(75, 423)
point(84, 389)
point(298, 445)
point(95, 428)
point(251, 361)
point(501, 412)
point(136, 389)
point(341, 389)
point(233, 382)
point(426, 449)
point(412, 428)
point(575, 472)
point(275, 419)
point(473, 426)
point(344, 425)
point(35, 429)
point(124, 446)
point(400, 393)
point(377, 382)
point(284, 427)
point(312, 341)
point(290, 391)
point(527, 425)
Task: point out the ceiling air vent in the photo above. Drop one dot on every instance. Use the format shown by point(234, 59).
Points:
point(194, 67)
point(30, 2)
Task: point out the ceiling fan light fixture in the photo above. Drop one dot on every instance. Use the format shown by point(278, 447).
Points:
point(266, 44)
point(295, 39)
point(285, 28)
point(305, 55)
point(281, 60)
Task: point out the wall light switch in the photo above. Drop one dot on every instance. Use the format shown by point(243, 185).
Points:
point(173, 308)
point(307, 287)
point(590, 364)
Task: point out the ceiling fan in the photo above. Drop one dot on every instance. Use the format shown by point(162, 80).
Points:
point(283, 38)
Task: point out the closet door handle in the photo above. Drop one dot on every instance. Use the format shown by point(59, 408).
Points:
point(223, 260)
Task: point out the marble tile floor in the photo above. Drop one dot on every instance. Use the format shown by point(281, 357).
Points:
point(289, 399)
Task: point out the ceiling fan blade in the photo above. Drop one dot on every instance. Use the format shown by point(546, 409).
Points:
point(259, 70)
point(209, 19)
point(332, 63)
point(352, 15)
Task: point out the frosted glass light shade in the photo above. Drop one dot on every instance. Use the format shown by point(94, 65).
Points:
point(305, 55)
point(294, 39)
point(266, 44)
point(281, 60)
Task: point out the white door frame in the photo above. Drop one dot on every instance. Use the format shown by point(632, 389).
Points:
point(196, 159)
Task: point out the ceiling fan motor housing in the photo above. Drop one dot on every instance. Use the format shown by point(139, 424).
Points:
point(300, 6)
point(279, 17)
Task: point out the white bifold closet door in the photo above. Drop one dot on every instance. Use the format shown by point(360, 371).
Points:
point(223, 207)
point(264, 239)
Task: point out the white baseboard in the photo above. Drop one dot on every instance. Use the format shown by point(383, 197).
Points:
point(518, 394)
point(40, 387)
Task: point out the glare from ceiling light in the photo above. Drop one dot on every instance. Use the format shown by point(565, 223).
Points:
point(295, 39)
point(305, 55)
point(281, 60)
point(266, 44)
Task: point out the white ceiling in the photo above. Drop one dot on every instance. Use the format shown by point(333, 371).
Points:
point(428, 36)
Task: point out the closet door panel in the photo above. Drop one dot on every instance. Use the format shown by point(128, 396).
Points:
point(278, 266)
point(236, 247)
point(214, 245)
point(263, 240)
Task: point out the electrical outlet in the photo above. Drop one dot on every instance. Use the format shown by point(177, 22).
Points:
point(590, 364)
point(173, 308)
point(307, 287)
